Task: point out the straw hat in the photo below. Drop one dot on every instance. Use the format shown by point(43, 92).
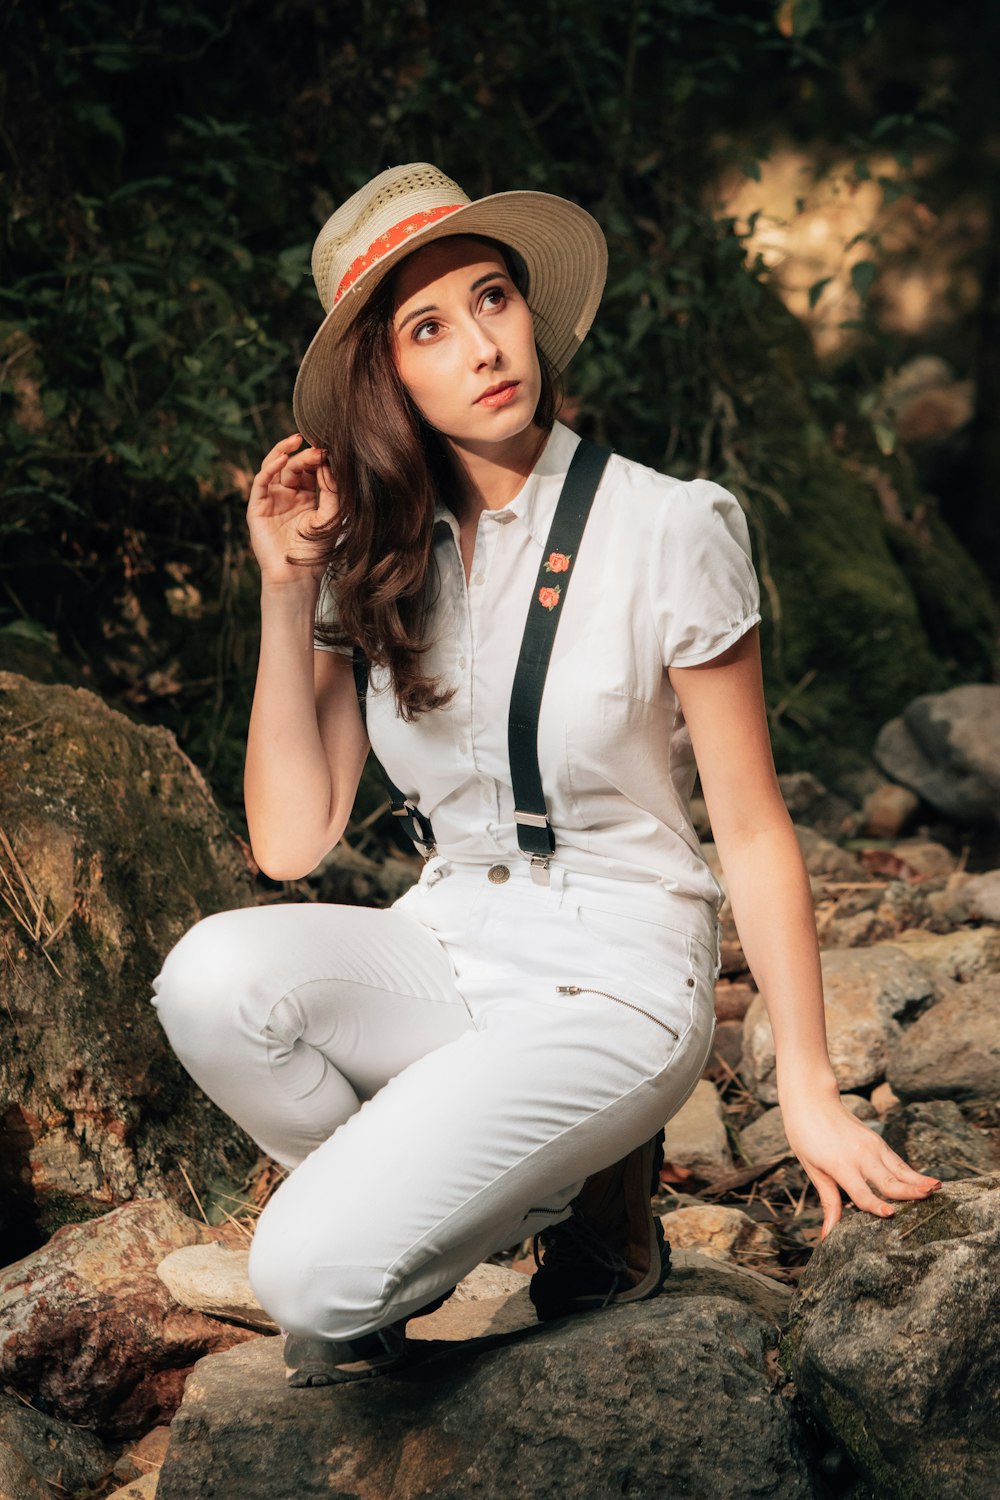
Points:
point(562, 247)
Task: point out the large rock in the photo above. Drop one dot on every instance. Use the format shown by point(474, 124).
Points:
point(895, 1343)
point(935, 1137)
point(946, 747)
point(115, 849)
point(18, 1479)
point(57, 1453)
point(678, 1396)
point(952, 1051)
point(868, 993)
point(87, 1326)
point(953, 957)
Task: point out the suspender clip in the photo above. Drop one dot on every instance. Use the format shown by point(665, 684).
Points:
point(531, 820)
point(540, 869)
point(418, 827)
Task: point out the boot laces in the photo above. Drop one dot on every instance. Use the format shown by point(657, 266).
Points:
point(574, 1243)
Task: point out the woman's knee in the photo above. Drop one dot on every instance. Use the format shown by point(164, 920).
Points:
point(310, 1292)
point(197, 992)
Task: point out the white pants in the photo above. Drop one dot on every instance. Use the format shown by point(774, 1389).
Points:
point(442, 1075)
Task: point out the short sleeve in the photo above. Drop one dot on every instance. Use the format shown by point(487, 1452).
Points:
point(705, 593)
point(327, 619)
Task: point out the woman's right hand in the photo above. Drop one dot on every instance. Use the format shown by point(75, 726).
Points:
point(291, 495)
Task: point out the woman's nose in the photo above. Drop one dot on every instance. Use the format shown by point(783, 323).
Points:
point(485, 351)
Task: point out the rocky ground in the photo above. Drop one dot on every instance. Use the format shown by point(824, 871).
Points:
point(134, 1360)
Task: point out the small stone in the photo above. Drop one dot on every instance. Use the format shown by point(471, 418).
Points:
point(888, 809)
point(213, 1279)
point(733, 1000)
point(883, 1099)
point(138, 1489)
point(696, 1136)
point(488, 1281)
point(727, 1049)
point(723, 1233)
point(143, 1457)
point(923, 859)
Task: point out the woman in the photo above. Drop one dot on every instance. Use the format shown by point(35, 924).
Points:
point(496, 1054)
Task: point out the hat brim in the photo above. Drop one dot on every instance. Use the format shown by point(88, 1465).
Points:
point(561, 245)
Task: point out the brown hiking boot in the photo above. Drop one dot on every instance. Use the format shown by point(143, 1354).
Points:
point(612, 1247)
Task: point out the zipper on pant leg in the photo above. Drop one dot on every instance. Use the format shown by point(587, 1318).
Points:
point(576, 989)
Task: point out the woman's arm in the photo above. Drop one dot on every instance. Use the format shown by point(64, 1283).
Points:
point(306, 745)
point(768, 886)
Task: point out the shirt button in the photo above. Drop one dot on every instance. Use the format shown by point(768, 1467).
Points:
point(463, 746)
point(479, 578)
point(461, 661)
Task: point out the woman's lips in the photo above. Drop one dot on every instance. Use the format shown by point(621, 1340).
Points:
point(499, 395)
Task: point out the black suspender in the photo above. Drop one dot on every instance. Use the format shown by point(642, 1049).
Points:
point(415, 825)
point(534, 832)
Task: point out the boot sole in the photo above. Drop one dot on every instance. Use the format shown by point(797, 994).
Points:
point(312, 1362)
point(316, 1375)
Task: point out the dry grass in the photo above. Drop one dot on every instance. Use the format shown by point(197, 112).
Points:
point(24, 903)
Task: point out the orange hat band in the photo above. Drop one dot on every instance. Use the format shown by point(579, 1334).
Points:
point(388, 241)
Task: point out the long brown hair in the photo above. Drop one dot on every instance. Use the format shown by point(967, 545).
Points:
point(390, 467)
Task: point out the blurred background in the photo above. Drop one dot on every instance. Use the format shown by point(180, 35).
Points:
point(802, 206)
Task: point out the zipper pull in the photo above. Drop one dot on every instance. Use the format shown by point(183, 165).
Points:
point(568, 989)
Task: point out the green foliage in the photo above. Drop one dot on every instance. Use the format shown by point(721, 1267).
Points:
point(170, 164)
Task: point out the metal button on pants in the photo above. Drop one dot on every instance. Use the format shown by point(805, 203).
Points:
point(440, 1076)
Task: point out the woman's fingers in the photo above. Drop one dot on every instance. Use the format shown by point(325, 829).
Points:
point(272, 466)
point(905, 1174)
point(285, 474)
point(837, 1151)
point(829, 1199)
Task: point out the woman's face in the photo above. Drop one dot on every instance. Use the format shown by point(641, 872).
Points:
point(464, 342)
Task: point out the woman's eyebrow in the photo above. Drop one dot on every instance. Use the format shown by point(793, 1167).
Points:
point(419, 312)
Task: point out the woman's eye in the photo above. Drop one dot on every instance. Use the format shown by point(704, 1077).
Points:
point(430, 327)
point(494, 296)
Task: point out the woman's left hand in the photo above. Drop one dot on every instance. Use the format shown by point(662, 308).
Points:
point(836, 1148)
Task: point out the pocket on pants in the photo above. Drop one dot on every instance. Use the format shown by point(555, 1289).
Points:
point(652, 954)
point(633, 975)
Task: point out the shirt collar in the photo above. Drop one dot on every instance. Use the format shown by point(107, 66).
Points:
point(535, 502)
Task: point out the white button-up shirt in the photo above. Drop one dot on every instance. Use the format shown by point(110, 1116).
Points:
point(663, 577)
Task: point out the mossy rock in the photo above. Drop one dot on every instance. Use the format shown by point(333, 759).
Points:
point(894, 1343)
point(112, 848)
